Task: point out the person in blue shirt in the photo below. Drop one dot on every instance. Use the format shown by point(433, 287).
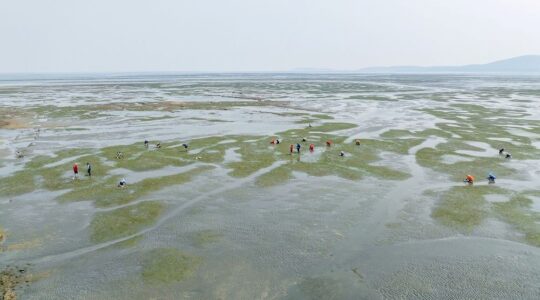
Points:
point(491, 178)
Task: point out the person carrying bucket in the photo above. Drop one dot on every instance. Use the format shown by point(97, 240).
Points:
point(469, 179)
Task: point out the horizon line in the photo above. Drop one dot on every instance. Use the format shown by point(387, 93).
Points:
point(294, 70)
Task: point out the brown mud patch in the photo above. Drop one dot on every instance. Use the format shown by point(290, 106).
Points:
point(10, 279)
point(15, 278)
point(171, 105)
point(15, 123)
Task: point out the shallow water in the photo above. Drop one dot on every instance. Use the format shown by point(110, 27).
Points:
point(237, 218)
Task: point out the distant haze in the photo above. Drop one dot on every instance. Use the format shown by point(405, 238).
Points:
point(261, 35)
point(521, 64)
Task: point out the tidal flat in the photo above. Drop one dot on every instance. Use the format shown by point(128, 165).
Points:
point(214, 208)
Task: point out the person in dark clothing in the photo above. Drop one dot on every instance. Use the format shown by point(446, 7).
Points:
point(146, 143)
point(122, 182)
point(501, 151)
point(89, 169)
point(298, 148)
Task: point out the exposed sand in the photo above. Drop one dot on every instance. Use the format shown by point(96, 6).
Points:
point(15, 123)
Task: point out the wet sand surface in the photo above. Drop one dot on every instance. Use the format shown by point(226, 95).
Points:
point(236, 217)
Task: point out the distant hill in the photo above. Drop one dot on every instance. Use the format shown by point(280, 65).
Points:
point(521, 64)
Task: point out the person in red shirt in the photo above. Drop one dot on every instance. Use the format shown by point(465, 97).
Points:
point(291, 148)
point(75, 169)
point(311, 147)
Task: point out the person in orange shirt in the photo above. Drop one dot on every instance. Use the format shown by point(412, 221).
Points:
point(469, 179)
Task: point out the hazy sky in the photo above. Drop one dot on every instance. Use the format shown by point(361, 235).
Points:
point(250, 35)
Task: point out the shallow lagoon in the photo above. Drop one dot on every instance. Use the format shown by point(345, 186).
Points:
point(235, 217)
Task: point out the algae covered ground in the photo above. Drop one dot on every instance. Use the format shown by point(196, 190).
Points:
point(216, 206)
